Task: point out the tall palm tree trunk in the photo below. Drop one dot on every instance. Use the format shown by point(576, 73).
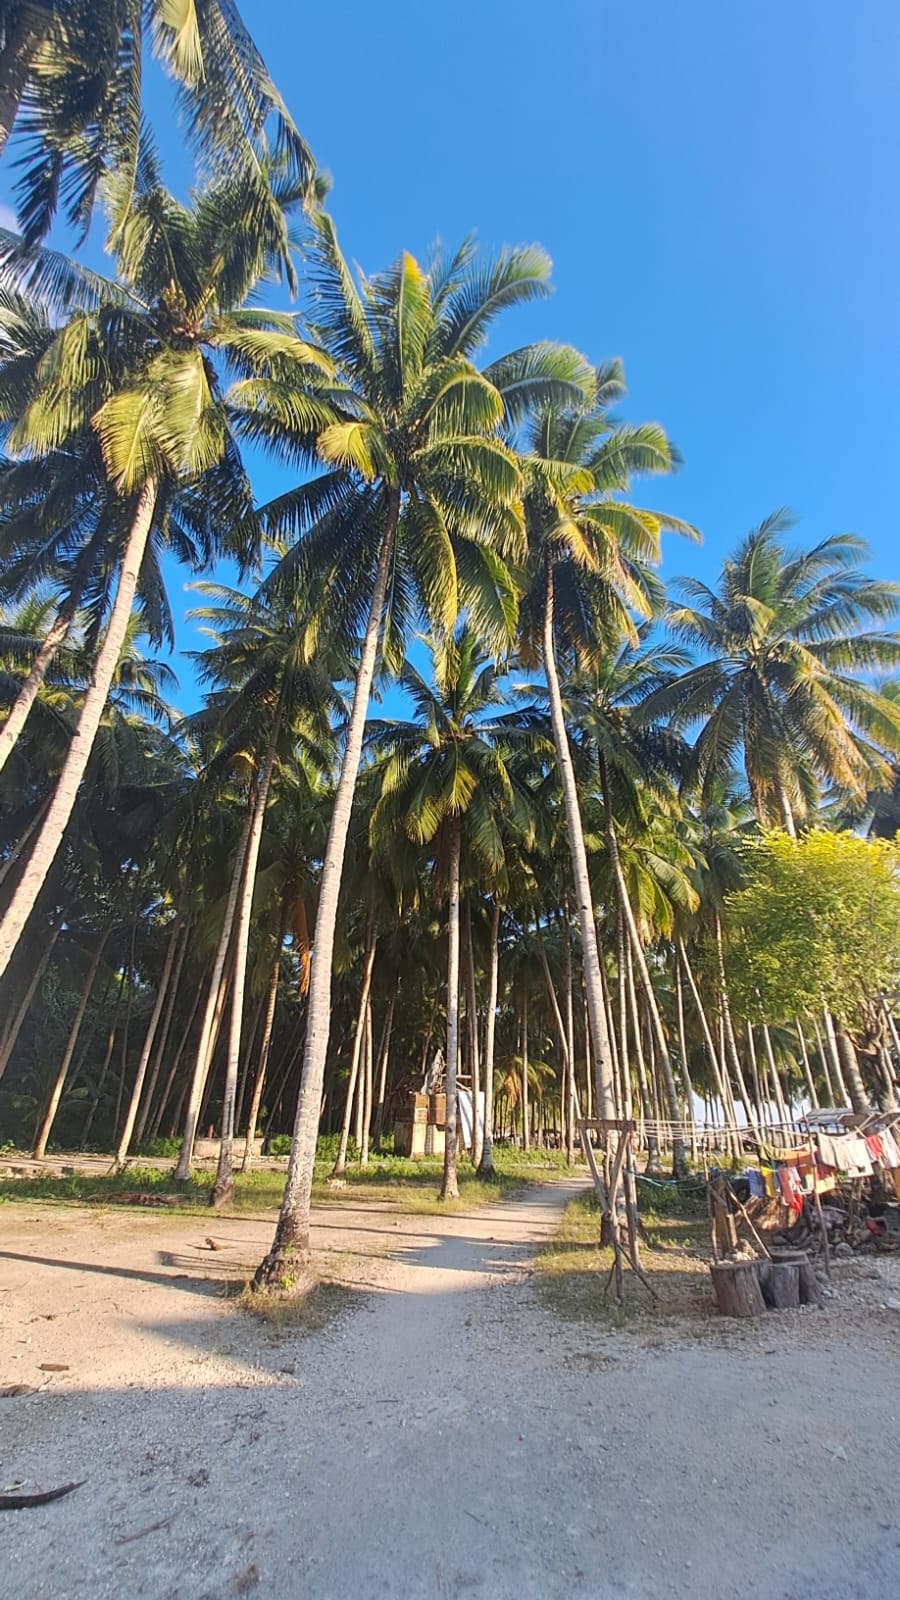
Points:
point(651, 1127)
point(292, 1230)
point(486, 1165)
point(586, 1033)
point(720, 1076)
point(73, 769)
point(730, 1039)
point(834, 1054)
point(146, 1048)
point(340, 1164)
point(525, 1128)
point(247, 1057)
point(359, 1102)
point(561, 1031)
point(25, 837)
point(472, 1031)
point(612, 1031)
point(104, 1069)
point(163, 1035)
point(785, 809)
point(622, 1019)
point(859, 1095)
point(683, 1052)
point(384, 1056)
point(582, 881)
point(126, 1028)
point(214, 1000)
point(40, 1143)
point(807, 1069)
point(87, 1035)
point(580, 874)
point(166, 1095)
point(14, 1027)
point(887, 1097)
point(223, 1187)
point(23, 36)
point(265, 1045)
point(759, 1098)
point(679, 1157)
point(570, 1034)
point(450, 1184)
point(661, 1043)
point(53, 638)
point(367, 1087)
point(892, 1026)
point(776, 1081)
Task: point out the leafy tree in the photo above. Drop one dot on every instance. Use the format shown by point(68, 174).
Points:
point(135, 363)
point(272, 693)
point(445, 782)
point(589, 569)
point(417, 510)
point(71, 77)
point(817, 924)
point(786, 635)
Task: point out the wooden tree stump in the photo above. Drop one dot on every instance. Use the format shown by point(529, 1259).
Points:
point(736, 1288)
point(810, 1293)
point(784, 1285)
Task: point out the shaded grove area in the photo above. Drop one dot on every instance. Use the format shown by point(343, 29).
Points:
point(670, 1454)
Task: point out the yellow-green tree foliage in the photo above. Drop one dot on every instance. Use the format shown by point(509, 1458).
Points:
point(817, 923)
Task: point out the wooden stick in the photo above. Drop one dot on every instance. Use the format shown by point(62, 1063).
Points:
point(154, 1527)
point(18, 1502)
point(742, 1209)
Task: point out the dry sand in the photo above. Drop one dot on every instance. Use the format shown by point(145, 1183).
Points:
point(442, 1434)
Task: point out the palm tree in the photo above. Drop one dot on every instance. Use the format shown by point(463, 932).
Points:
point(445, 782)
point(62, 529)
point(70, 83)
point(131, 761)
point(589, 552)
point(269, 691)
point(714, 830)
point(418, 507)
point(636, 767)
point(880, 810)
point(785, 636)
point(135, 363)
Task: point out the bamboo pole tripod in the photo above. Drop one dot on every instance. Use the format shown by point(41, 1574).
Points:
point(624, 1130)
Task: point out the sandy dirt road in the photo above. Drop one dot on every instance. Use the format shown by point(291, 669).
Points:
point(443, 1435)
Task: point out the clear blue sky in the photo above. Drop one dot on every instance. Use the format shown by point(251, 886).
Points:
point(716, 184)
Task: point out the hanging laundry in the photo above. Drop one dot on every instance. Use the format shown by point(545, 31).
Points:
point(858, 1160)
point(789, 1184)
point(825, 1146)
point(826, 1178)
point(847, 1152)
point(755, 1183)
point(890, 1154)
point(874, 1147)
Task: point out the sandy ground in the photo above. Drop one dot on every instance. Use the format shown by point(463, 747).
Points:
point(442, 1435)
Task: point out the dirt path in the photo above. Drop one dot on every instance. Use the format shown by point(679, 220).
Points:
point(443, 1436)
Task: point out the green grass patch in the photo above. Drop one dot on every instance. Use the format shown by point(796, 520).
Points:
point(407, 1185)
point(298, 1309)
point(573, 1274)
